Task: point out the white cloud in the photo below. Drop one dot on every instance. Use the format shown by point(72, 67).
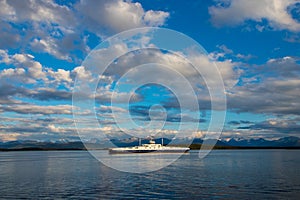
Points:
point(13, 72)
point(49, 45)
point(176, 62)
point(236, 12)
point(226, 68)
point(38, 109)
point(36, 11)
point(271, 88)
point(155, 18)
point(59, 30)
point(82, 74)
point(60, 77)
point(106, 17)
point(9, 136)
point(39, 21)
point(229, 74)
point(63, 75)
point(26, 70)
point(5, 58)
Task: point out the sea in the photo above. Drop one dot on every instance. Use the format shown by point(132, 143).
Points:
point(222, 174)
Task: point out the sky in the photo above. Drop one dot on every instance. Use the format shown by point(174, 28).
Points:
point(254, 44)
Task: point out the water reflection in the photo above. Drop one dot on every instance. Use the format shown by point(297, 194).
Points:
point(246, 174)
point(135, 162)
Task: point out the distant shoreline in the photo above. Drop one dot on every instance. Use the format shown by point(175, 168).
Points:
point(197, 143)
point(192, 147)
point(198, 146)
point(43, 149)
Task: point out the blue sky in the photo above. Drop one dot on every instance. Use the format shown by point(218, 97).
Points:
point(255, 44)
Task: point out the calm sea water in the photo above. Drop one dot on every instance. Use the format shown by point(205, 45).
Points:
point(223, 174)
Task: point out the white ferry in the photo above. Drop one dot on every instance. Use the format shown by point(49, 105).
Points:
point(151, 147)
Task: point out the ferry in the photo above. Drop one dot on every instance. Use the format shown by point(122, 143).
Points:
point(147, 148)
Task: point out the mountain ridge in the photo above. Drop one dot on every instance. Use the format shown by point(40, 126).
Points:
point(285, 142)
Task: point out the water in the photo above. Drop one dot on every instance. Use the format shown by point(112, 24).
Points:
point(223, 174)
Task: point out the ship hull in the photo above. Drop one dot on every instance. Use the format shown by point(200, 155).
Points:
point(126, 151)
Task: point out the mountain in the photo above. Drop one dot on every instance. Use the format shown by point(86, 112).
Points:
point(260, 142)
point(250, 142)
point(37, 145)
point(286, 142)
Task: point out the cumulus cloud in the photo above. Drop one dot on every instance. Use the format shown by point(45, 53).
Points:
point(29, 79)
point(108, 17)
point(57, 30)
point(37, 11)
point(41, 22)
point(228, 68)
point(273, 88)
point(50, 46)
point(60, 30)
point(24, 69)
point(236, 12)
point(271, 97)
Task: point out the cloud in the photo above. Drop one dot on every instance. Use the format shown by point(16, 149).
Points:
point(36, 127)
point(228, 68)
point(38, 109)
point(60, 77)
point(63, 30)
point(44, 24)
point(36, 11)
point(287, 67)
point(48, 94)
point(29, 79)
point(107, 17)
point(283, 126)
point(39, 119)
point(226, 53)
point(142, 113)
point(10, 92)
point(9, 35)
point(272, 89)
point(7, 91)
point(293, 38)
point(50, 46)
point(9, 136)
point(235, 123)
point(271, 96)
point(236, 12)
point(269, 88)
point(26, 69)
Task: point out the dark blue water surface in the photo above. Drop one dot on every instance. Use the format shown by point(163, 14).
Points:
point(223, 174)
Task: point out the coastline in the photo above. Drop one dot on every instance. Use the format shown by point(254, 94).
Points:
point(192, 147)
